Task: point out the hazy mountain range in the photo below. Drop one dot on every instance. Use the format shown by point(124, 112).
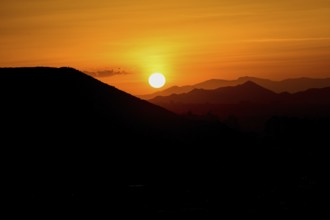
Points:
point(248, 106)
point(288, 85)
point(249, 92)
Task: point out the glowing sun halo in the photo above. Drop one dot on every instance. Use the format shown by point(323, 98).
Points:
point(157, 80)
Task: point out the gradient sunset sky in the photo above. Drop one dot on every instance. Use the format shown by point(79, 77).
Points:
point(121, 42)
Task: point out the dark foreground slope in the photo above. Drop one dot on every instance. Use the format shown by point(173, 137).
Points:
point(76, 147)
point(76, 142)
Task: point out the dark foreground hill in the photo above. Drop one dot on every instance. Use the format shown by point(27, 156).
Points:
point(76, 147)
point(75, 141)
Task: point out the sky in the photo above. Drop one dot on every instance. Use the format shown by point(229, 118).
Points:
point(121, 42)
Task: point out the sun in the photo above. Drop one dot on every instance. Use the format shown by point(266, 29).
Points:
point(157, 80)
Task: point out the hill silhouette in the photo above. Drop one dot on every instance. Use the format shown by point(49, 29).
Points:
point(67, 91)
point(287, 85)
point(249, 103)
point(80, 145)
point(247, 92)
point(74, 146)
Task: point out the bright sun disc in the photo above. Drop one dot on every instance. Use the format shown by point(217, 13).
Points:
point(157, 80)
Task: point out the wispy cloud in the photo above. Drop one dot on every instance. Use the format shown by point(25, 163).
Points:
point(106, 73)
point(288, 39)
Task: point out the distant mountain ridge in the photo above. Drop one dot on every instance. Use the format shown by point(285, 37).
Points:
point(287, 85)
point(248, 103)
point(247, 92)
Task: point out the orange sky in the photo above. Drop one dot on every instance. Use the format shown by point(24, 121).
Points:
point(188, 40)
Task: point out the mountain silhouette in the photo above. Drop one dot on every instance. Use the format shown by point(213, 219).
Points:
point(247, 92)
point(312, 96)
point(248, 103)
point(76, 144)
point(287, 85)
point(73, 146)
point(71, 94)
point(53, 106)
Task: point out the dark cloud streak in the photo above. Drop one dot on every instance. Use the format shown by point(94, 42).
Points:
point(107, 73)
